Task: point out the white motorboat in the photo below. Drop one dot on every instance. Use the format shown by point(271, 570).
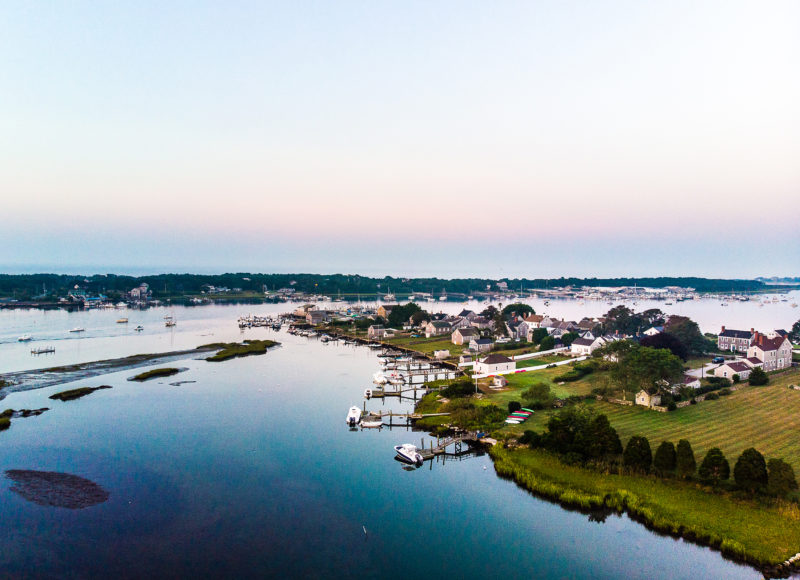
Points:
point(379, 378)
point(353, 416)
point(368, 393)
point(77, 329)
point(170, 322)
point(408, 453)
point(25, 338)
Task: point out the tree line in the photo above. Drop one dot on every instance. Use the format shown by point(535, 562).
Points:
point(579, 436)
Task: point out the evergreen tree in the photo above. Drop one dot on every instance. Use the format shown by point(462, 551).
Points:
point(715, 467)
point(750, 471)
point(684, 459)
point(781, 479)
point(637, 454)
point(665, 459)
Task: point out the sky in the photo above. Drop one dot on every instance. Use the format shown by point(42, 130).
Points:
point(519, 139)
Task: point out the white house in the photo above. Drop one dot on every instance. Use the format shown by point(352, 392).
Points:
point(645, 399)
point(585, 346)
point(774, 351)
point(480, 344)
point(376, 332)
point(463, 335)
point(727, 370)
point(494, 363)
point(653, 330)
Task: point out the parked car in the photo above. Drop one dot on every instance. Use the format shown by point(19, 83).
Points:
point(718, 360)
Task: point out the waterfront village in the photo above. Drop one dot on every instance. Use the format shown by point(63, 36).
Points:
point(495, 344)
point(570, 409)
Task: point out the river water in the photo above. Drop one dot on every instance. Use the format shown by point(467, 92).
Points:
point(251, 471)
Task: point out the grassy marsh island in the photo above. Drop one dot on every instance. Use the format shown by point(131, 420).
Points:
point(155, 373)
point(229, 350)
point(76, 393)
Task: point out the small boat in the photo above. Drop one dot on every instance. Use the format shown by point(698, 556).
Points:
point(139, 328)
point(122, 321)
point(371, 421)
point(408, 453)
point(170, 322)
point(513, 421)
point(25, 338)
point(368, 393)
point(353, 416)
point(43, 350)
point(77, 329)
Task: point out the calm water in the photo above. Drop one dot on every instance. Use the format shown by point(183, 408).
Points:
point(250, 471)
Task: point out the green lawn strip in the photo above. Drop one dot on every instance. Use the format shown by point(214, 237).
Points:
point(155, 373)
point(541, 360)
point(762, 533)
point(235, 349)
point(76, 393)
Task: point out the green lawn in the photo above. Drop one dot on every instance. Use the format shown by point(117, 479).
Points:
point(767, 418)
point(541, 360)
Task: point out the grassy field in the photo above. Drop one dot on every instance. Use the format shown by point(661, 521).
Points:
point(541, 360)
point(767, 418)
point(758, 532)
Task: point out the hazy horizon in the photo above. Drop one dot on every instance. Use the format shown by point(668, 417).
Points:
point(460, 138)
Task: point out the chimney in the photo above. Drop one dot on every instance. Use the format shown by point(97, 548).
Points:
point(723, 330)
point(752, 331)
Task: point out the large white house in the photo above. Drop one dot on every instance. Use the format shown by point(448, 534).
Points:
point(585, 346)
point(774, 350)
point(494, 363)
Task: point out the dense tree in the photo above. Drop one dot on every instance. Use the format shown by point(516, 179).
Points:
point(715, 467)
point(547, 343)
point(514, 406)
point(687, 331)
point(637, 454)
point(780, 478)
point(601, 440)
point(401, 314)
point(419, 317)
point(758, 377)
point(668, 341)
point(580, 435)
point(647, 368)
point(794, 334)
point(624, 320)
point(665, 459)
point(568, 337)
point(750, 471)
point(490, 312)
point(685, 464)
point(518, 309)
point(538, 334)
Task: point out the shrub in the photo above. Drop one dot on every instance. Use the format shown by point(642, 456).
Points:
point(672, 406)
point(514, 406)
point(736, 378)
point(712, 396)
point(758, 377)
point(463, 388)
point(5, 423)
point(725, 392)
point(537, 392)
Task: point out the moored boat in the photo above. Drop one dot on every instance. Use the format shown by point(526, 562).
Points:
point(353, 416)
point(371, 421)
point(408, 453)
point(77, 329)
point(25, 338)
